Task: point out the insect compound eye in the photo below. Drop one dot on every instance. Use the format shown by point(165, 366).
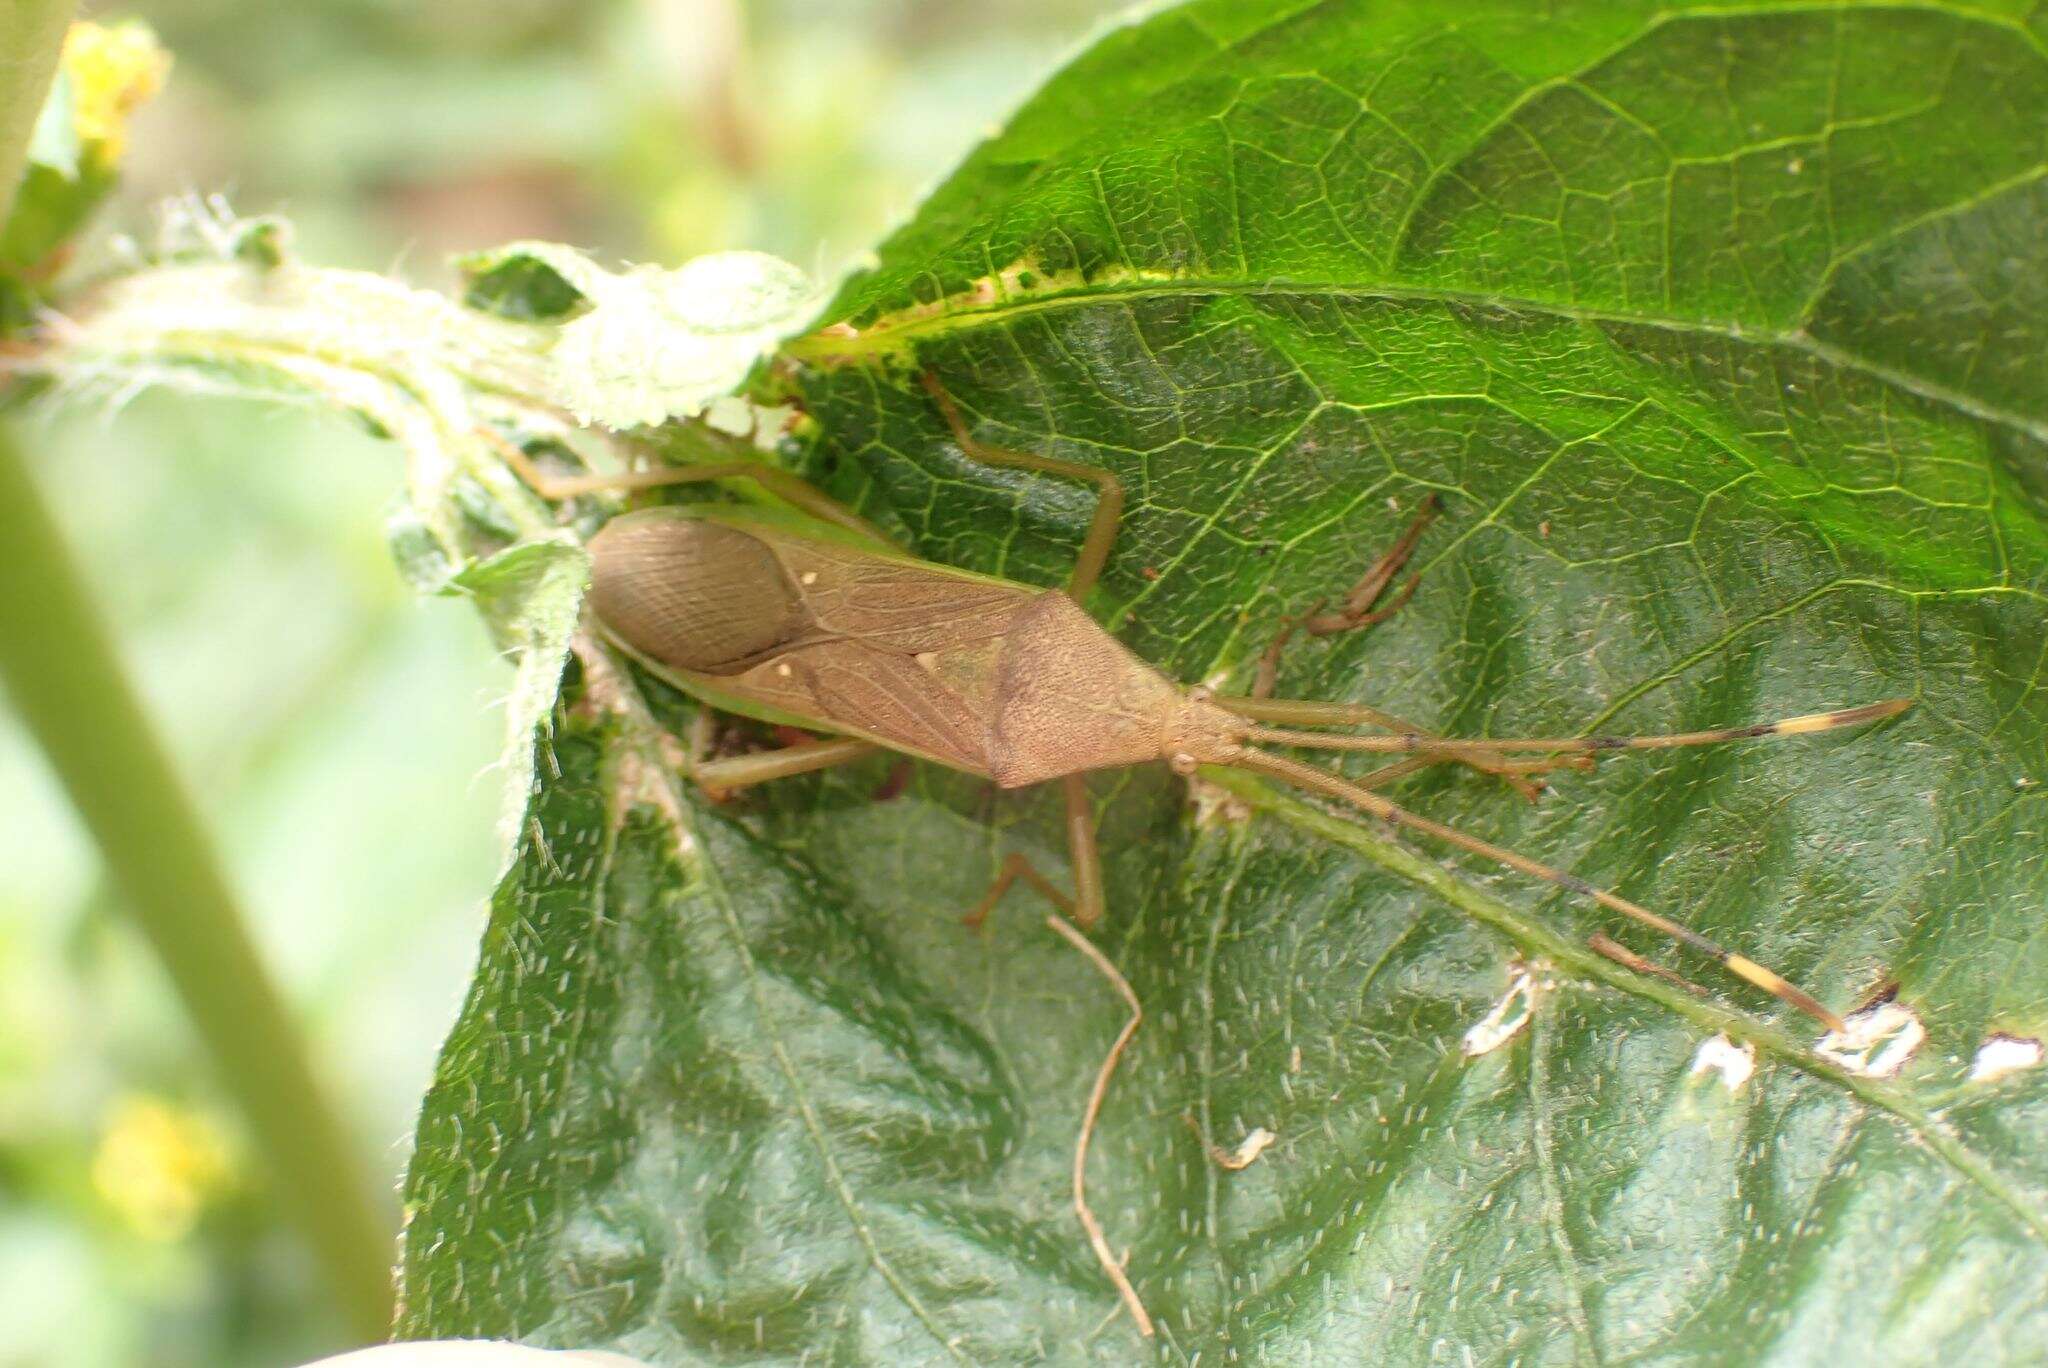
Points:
point(690, 593)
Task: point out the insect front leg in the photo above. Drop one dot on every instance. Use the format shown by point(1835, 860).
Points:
point(1362, 608)
point(1085, 906)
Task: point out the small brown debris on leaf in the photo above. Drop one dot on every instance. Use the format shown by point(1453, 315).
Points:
point(1255, 1143)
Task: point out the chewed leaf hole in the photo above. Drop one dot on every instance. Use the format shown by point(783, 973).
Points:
point(1722, 1056)
point(1876, 1042)
point(2002, 1054)
point(1507, 1017)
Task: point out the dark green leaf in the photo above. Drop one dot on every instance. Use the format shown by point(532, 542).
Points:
point(1720, 333)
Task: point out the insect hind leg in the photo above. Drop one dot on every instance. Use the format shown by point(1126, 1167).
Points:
point(1085, 907)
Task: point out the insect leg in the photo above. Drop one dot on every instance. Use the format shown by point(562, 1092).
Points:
point(792, 490)
point(1016, 865)
point(1359, 608)
point(1085, 907)
point(1268, 672)
point(1362, 609)
point(743, 771)
point(1109, 504)
point(1082, 851)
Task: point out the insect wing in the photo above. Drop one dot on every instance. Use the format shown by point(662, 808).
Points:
point(876, 694)
point(896, 604)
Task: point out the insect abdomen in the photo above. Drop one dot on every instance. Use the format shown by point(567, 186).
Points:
point(690, 593)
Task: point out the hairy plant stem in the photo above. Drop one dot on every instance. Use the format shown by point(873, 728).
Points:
point(59, 667)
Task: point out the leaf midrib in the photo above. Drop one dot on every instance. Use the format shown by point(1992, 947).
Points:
point(888, 338)
point(641, 735)
point(1585, 964)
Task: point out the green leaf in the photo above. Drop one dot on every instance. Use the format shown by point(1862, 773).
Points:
point(521, 284)
point(531, 597)
point(637, 348)
point(1720, 334)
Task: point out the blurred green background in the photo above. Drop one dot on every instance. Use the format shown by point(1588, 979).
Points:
point(338, 732)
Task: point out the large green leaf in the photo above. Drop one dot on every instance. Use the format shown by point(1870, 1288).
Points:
point(1722, 336)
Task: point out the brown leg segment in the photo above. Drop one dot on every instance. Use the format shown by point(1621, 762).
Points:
point(1362, 609)
point(1256, 703)
point(1359, 608)
point(720, 777)
point(1085, 907)
point(1109, 506)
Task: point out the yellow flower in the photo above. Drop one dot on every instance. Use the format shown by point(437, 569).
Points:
point(113, 69)
point(158, 1164)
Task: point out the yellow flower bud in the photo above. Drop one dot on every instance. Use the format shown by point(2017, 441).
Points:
point(113, 69)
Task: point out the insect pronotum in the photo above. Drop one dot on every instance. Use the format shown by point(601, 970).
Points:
point(810, 617)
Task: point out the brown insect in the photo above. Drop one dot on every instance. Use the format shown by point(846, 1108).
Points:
point(812, 618)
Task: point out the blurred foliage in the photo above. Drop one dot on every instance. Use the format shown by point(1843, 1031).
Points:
point(130, 1228)
point(653, 129)
point(106, 73)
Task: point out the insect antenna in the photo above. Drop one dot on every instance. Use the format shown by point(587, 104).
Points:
point(1321, 781)
point(1337, 714)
